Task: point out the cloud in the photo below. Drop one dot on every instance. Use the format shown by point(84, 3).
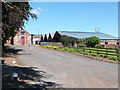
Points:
point(37, 11)
point(40, 9)
point(34, 11)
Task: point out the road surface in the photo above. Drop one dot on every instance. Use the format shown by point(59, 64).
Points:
point(70, 70)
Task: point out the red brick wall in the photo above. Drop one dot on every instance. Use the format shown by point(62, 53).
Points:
point(8, 41)
point(109, 43)
point(27, 38)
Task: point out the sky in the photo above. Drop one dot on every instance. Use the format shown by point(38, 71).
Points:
point(74, 16)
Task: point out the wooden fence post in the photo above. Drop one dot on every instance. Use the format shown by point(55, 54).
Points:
point(89, 50)
point(117, 49)
point(97, 50)
point(83, 49)
point(78, 48)
point(106, 51)
point(118, 52)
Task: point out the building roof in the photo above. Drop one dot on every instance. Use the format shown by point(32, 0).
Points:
point(19, 31)
point(36, 35)
point(52, 34)
point(86, 34)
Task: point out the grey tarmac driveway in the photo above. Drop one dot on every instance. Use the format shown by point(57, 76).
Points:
point(68, 69)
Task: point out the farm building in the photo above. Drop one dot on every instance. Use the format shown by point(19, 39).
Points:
point(35, 38)
point(104, 38)
point(24, 38)
point(21, 38)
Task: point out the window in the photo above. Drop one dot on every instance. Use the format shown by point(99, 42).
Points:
point(36, 37)
point(106, 42)
point(22, 37)
point(22, 33)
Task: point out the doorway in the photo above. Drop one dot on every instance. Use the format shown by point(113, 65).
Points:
point(22, 40)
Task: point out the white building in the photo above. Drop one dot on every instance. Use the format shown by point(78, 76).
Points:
point(36, 38)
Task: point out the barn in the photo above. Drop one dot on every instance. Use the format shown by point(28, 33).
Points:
point(104, 38)
point(24, 38)
point(21, 38)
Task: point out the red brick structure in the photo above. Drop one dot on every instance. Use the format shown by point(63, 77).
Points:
point(21, 38)
point(110, 43)
point(8, 41)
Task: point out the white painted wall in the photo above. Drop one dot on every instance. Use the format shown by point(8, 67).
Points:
point(36, 39)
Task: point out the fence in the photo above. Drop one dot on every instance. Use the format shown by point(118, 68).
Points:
point(106, 51)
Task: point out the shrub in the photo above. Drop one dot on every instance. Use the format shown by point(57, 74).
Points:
point(72, 50)
point(102, 55)
point(118, 59)
point(99, 46)
point(93, 54)
point(68, 50)
point(113, 58)
point(55, 47)
point(49, 46)
point(81, 45)
point(85, 53)
point(92, 41)
point(76, 50)
point(80, 52)
point(44, 45)
point(64, 48)
point(66, 40)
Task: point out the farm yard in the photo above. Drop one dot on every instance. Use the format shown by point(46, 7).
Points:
point(49, 45)
point(60, 69)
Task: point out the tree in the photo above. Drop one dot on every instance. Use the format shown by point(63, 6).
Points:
point(50, 38)
point(92, 41)
point(57, 37)
point(66, 40)
point(14, 15)
point(41, 38)
point(45, 38)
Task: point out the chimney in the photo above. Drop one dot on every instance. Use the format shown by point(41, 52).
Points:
point(95, 30)
point(98, 30)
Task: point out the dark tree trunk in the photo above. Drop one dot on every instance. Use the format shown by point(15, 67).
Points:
point(3, 47)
